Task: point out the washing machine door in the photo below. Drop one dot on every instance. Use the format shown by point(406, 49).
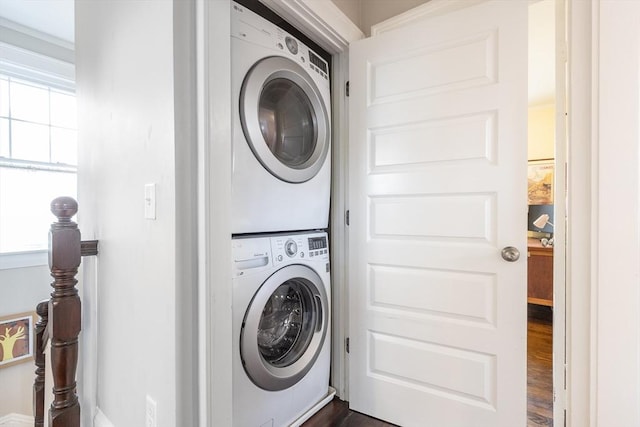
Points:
point(284, 119)
point(284, 328)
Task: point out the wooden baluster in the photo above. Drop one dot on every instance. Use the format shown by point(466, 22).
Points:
point(64, 313)
point(38, 385)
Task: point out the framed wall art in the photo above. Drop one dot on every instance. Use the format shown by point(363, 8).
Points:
point(540, 182)
point(16, 338)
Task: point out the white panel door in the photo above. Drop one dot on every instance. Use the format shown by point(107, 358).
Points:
point(437, 175)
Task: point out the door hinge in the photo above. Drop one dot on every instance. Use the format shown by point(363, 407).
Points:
point(347, 89)
point(346, 344)
point(346, 217)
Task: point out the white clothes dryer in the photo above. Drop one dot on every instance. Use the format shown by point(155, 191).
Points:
point(281, 129)
point(281, 328)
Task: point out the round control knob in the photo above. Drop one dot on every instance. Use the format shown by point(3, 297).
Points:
point(292, 45)
point(290, 248)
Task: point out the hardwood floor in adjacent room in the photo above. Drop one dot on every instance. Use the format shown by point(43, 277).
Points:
point(539, 382)
point(539, 366)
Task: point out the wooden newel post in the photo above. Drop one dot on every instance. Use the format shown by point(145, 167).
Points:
point(64, 313)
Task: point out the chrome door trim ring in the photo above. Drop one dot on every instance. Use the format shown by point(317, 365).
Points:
point(259, 75)
point(263, 374)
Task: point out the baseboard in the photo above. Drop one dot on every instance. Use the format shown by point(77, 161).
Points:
point(16, 420)
point(101, 420)
point(311, 412)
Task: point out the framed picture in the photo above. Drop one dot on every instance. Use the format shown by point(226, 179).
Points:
point(16, 338)
point(540, 182)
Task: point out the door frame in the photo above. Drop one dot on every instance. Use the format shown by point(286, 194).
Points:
point(332, 30)
point(559, 328)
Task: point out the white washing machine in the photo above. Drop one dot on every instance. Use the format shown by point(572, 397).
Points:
point(281, 129)
point(281, 328)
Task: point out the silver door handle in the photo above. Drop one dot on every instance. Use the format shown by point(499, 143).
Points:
point(511, 254)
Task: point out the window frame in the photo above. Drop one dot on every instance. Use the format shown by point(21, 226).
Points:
point(24, 64)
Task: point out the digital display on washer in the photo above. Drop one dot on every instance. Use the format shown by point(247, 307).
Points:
point(317, 243)
point(315, 60)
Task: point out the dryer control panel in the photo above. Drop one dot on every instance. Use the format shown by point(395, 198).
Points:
point(251, 27)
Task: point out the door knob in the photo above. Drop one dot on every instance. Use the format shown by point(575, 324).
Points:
point(511, 254)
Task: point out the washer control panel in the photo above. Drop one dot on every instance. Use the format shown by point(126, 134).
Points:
point(311, 247)
point(291, 248)
point(254, 254)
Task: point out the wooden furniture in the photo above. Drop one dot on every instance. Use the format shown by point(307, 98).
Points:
point(539, 273)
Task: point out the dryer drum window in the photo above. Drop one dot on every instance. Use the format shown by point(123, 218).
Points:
point(284, 119)
point(287, 122)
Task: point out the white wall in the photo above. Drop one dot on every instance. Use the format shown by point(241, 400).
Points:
point(127, 102)
point(365, 13)
point(541, 132)
point(21, 289)
point(351, 8)
point(376, 11)
point(616, 310)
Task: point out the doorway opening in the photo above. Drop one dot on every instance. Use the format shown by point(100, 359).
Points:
point(545, 212)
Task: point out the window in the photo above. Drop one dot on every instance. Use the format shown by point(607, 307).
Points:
point(38, 157)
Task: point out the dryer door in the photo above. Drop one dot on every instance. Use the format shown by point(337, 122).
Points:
point(284, 119)
point(284, 328)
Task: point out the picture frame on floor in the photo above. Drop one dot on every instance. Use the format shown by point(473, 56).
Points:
point(16, 338)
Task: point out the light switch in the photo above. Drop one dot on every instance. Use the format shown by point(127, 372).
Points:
point(150, 201)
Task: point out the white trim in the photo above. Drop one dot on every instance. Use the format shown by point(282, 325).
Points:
point(615, 208)
point(321, 21)
point(89, 356)
point(101, 419)
point(23, 259)
point(16, 420)
point(40, 166)
point(48, 38)
point(314, 410)
point(205, 350)
point(29, 65)
point(560, 206)
point(214, 216)
point(338, 238)
point(427, 10)
point(581, 240)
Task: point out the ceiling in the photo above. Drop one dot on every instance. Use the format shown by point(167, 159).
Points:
point(52, 17)
point(56, 18)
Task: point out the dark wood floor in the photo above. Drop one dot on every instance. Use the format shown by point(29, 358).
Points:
point(539, 382)
point(539, 367)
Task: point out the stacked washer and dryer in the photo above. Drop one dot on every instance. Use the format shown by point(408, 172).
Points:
point(280, 211)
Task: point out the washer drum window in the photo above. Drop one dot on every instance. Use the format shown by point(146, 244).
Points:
point(284, 328)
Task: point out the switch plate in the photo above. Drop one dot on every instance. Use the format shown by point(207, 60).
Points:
point(151, 419)
point(150, 201)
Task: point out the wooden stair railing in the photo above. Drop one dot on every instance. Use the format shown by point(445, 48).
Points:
point(38, 386)
point(60, 319)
